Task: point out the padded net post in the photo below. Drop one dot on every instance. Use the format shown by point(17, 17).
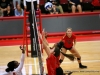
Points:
point(35, 44)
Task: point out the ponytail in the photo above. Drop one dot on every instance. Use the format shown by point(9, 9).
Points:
point(9, 69)
point(11, 66)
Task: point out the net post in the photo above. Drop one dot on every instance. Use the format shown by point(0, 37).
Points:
point(25, 33)
point(36, 39)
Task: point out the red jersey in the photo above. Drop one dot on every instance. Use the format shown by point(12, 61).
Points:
point(96, 2)
point(52, 64)
point(68, 42)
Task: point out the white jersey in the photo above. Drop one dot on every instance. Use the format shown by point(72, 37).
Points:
point(18, 70)
point(48, 4)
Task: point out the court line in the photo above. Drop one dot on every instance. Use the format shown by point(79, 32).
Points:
point(83, 41)
point(43, 63)
point(54, 43)
point(30, 65)
point(23, 71)
point(63, 62)
point(35, 65)
point(73, 62)
point(30, 69)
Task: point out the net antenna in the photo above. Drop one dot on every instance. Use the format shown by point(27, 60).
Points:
point(36, 41)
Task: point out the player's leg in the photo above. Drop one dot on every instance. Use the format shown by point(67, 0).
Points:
point(79, 7)
point(75, 52)
point(73, 8)
point(62, 56)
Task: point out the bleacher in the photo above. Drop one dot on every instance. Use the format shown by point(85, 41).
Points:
point(86, 6)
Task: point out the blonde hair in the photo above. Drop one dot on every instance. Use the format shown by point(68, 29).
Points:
point(69, 28)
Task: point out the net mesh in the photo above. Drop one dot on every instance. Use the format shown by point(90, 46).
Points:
point(36, 41)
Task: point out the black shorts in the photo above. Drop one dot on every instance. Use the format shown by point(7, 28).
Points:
point(67, 48)
point(75, 4)
point(28, 4)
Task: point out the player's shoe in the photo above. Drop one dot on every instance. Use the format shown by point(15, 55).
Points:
point(82, 66)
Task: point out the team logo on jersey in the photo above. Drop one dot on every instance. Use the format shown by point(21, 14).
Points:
point(69, 42)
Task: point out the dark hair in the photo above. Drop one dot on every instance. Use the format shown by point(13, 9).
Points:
point(60, 44)
point(57, 52)
point(59, 71)
point(57, 48)
point(11, 65)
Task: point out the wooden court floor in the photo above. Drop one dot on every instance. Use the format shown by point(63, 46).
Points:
point(89, 51)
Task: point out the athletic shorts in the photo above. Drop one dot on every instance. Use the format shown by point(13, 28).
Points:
point(67, 48)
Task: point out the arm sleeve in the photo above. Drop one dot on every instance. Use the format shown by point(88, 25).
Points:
point(21, 63)
point(24, 2)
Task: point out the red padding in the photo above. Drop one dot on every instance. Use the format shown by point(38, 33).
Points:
point(77, 33)
point(55, 15)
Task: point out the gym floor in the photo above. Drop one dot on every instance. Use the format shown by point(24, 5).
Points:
point(88, 46)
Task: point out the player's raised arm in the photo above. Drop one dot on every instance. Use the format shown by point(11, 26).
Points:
point(46, 47)
point(44, 37)
point(19, 68)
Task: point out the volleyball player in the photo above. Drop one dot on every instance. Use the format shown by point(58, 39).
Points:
point(69, 41)
point(15, 68)
point(53, 64)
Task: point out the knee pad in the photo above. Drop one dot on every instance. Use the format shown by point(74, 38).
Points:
point(78, 58)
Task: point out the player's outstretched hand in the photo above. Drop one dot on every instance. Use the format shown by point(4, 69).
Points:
point(43, 33)
point(40, 36)
point(22, 48)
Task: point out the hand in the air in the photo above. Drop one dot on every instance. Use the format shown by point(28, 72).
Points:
point(22, 48)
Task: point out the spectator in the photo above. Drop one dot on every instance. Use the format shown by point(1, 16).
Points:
point(57, 3)
point(27, 4)
point(1, 13)
point(3, 5)
point(14, 3)
point(8, 12)
point(18, 11)
point(76, 4)
point(11, 3)
point(51, 8)
point(54, 10)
